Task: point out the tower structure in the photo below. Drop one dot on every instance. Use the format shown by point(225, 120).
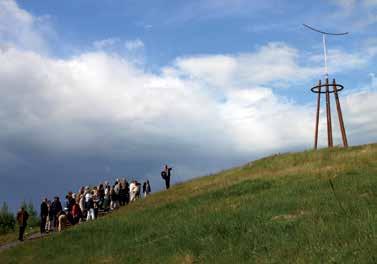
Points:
point(328, 89)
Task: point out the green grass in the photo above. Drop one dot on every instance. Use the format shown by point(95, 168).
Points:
point(279, 209)
point(13, 235)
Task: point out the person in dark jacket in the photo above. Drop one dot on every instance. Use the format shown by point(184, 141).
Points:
point(122, 194)
point(56, 207)
point(22, 217)
point(146, 188)
point(127, 189)
point(165, 174)
point(44, 215)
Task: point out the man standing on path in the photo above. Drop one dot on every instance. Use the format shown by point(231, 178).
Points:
point(165, 174)
point(44, 215)
point(22, 217)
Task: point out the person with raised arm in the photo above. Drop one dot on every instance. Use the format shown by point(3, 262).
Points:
point(165, 174)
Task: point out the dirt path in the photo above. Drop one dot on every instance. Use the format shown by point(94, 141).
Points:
point(38, 235)
point(27, 239)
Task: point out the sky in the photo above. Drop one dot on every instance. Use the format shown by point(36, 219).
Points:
point(99, 90)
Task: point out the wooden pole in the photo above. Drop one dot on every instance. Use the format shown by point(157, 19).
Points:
point(317, 117)
point(328, 110)
point(340, 115)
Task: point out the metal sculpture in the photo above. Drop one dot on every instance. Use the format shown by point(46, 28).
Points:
point(329, 88)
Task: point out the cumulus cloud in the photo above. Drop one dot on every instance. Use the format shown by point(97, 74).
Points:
point(91, 102)
point(20, 28)
point(275, 64)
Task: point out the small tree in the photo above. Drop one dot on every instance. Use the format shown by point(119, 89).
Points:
point(7, 221)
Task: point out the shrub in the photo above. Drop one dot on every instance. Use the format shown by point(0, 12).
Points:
point(7, 221)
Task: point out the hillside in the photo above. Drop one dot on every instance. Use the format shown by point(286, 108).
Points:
point(280, 209)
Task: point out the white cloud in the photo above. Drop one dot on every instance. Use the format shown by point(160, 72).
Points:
point(95, 100)
point(105, 43)
point(275, 64)
point(135, 44)
point(20, 28)
point(355, 15)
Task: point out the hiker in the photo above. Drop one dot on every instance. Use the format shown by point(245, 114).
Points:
point(44, 215)
point(113, 199)
point(138, 189)
point(56, 207)
point(76, 213)
point(106, 199)
point(127, 188)
point(50, 217)
point(165, 174)
point(122, 194)
point(115, 195)
point(62, 220)
point(145, 189)
point(82, 205)
point(148, 189)
point(101, 195)
point(89, 206)
point(95, 201)
point(133, 191)
point(22, 217)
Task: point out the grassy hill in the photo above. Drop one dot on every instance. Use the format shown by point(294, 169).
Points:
point(305, 207)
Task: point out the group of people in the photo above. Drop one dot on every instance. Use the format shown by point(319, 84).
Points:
point(87, 203)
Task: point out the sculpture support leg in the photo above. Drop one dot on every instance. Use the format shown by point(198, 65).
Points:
point(328, 110)
point(317, 117)
point(340, 116)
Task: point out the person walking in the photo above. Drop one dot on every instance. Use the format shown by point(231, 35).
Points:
point(133, 191)
point(62, 220)
point(127, 187)
point(148, 188)
point(165, 174)
point(22, 217)
point(56, 207)
point(44, 215)
point(89, 206)
point(145, 189)
point(49, 218)
point(122, 194)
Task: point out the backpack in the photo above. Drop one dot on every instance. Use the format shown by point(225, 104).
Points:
point(163, 174)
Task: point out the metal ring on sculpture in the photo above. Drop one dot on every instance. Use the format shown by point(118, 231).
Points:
point(315, 89)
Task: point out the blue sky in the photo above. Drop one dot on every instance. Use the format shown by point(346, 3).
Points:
point(96, 90)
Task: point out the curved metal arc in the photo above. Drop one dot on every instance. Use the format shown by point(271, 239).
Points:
point(323, 32)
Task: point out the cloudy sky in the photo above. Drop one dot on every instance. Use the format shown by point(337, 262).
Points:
point(96, 90)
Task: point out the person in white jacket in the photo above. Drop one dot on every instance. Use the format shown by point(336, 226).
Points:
point(89, 204)
point(133, 191)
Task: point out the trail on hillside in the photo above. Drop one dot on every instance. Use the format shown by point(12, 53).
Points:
point(17, 242)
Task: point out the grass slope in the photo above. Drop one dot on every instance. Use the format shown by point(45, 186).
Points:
point(280, 209)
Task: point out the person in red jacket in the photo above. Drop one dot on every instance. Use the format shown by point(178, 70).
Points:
point(76, 213)
point(22, 217)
